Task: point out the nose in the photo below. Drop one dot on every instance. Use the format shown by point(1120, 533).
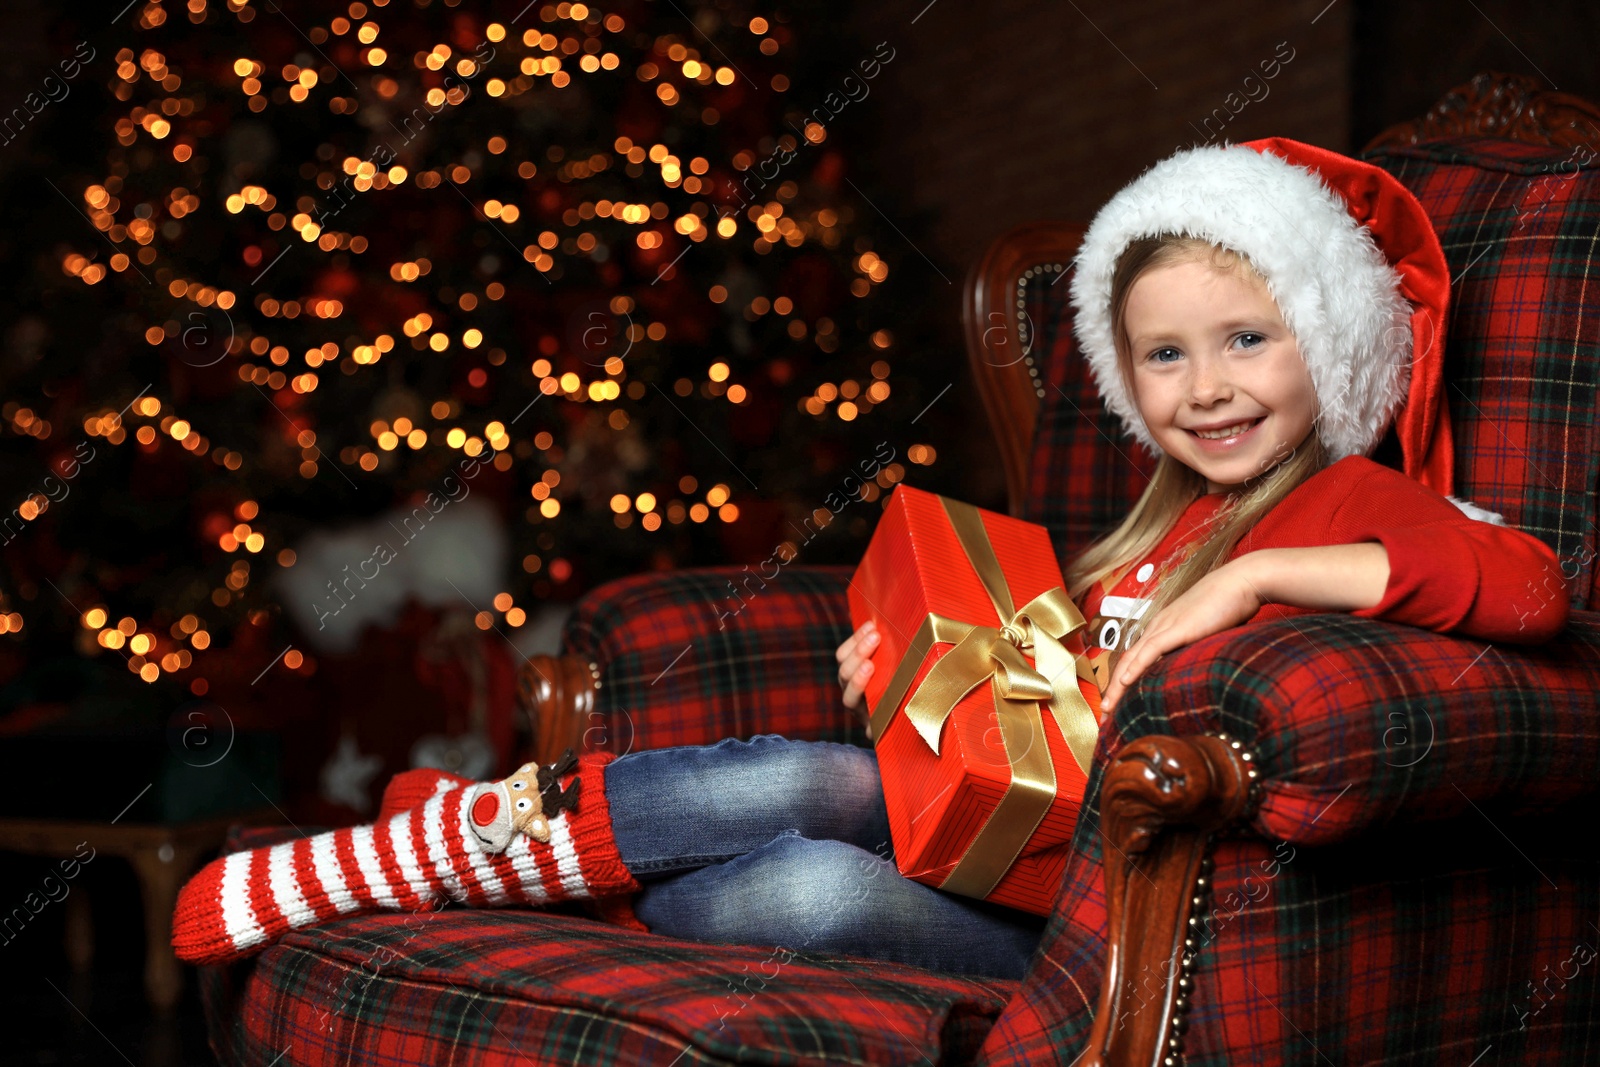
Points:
point(1208, 383)
point(486, 807)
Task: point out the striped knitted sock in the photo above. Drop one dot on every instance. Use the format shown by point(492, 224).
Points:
point(414, 788)
point(412, 860)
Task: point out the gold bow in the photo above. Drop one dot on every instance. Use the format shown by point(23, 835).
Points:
point(995, 653)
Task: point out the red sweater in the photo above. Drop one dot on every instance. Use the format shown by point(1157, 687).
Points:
point(1447, 573)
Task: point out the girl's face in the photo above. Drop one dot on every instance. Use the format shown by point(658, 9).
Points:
point(1210, 353)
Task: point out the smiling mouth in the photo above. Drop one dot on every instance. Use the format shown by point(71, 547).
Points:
point(1229, 431)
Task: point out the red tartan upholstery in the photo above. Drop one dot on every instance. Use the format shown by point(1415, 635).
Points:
point(1357, 724)
point(1336, 931)
point(1390, 949)
point(1376, 944)
point(519, 986)
point(1523, 352)
point(693, 656)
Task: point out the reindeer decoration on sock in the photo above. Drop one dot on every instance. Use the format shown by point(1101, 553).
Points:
point(524, 803)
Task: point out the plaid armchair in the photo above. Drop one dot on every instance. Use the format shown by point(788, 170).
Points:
point(1324, 839)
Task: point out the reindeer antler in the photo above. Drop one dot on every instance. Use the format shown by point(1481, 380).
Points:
point(555, 798)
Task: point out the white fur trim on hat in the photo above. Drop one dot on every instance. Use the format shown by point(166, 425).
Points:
point(1337, 293)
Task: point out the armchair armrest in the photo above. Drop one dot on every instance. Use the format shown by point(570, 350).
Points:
point(1357, 723)
point(693, 656)
point(1338, 726)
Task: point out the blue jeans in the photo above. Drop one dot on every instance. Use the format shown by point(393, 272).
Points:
point(778, 842)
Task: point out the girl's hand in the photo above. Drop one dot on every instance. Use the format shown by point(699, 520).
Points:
point(1222, 599)
point(855, 665)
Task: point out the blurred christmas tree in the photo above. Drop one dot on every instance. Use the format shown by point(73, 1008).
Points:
point(600, 266)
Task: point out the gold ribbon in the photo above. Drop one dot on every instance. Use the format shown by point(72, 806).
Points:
point(995, 653)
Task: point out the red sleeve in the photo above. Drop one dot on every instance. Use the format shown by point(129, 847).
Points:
point(1450, 573)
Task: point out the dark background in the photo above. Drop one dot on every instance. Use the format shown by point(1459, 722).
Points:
point(991, 115)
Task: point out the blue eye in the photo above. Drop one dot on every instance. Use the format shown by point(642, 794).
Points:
point(1250, 340)
point(1158, 353)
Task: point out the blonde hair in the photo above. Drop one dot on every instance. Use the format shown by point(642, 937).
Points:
point(1174, 486)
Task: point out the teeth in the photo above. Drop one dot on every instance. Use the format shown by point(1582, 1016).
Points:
point(1217, 435)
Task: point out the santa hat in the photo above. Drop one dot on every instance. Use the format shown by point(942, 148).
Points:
point(1347, 253)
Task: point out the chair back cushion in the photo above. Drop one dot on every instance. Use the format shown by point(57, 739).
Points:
point(1520, 226)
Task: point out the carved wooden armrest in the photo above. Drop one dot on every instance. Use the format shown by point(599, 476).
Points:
point(558, 696)
point(1162, 800)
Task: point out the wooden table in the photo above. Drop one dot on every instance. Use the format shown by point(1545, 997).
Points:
point(163, 856)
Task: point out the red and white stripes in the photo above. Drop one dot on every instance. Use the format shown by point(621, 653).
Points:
point(412, 861)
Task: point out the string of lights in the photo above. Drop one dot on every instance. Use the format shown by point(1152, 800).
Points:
point(356, 245)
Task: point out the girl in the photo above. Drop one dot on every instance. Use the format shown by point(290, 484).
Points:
point(1257, 315)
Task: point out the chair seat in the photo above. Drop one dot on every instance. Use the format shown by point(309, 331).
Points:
point(524, 986)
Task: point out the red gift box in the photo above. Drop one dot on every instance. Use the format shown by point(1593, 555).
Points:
point(984, 710)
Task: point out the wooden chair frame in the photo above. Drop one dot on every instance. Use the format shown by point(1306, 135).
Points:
point(1163, 797)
